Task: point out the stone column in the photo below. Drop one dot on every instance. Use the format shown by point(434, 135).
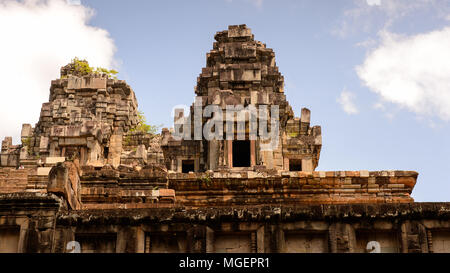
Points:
point(196, 239)
point(414, 237)
point(62, 236)
point(230, 153)
point(126, 240)
point(210, 240)
point(341, 238)
point(252, 153)
point(212, 154)
point(277, 241)
point(260, 234)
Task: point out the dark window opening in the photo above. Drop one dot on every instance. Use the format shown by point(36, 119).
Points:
point(295, 165)
point(241, 153)
point(188, 166)
point(106, 152)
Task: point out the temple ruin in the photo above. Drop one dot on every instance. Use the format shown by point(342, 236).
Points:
point(83, 177)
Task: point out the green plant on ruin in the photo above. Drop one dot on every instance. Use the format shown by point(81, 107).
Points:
point(127, 140)
point(82, 68)
point(228, 182)
point(206, 179)
point(143, 127)
point(27, 143)
point(110, 72)
point(293, 135)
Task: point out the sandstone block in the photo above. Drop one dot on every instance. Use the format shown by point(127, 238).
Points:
point(54, 160)
point(43, 171)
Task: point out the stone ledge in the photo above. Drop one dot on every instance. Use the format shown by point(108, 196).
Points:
point(29, 201)
point(270, 174)
point(221, 188)
point(210, 215)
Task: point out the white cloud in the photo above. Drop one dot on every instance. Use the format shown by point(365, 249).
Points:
point(38, 37)
point(74, 2)
point(411, 72)
point(373, 15)
point(373, 2)
point(368, 43)
point(346, 101)
point(379, 106)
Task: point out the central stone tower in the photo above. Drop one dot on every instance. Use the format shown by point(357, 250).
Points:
point(241, 71)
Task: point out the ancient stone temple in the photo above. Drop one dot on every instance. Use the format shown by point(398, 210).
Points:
point(84, 179)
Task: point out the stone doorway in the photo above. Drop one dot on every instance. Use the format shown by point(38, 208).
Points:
point(295, 165)
point(241, 153)
point(188, 166)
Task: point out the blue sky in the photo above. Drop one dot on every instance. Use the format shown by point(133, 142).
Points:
point(374, 73)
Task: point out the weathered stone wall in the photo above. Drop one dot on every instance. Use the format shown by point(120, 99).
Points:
point(9, 156)
point(13, 180)
point(254, 188)
point(27, 222)
point(140, 149)
point(264, 229)
point(124, 187)
point(36, 223)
